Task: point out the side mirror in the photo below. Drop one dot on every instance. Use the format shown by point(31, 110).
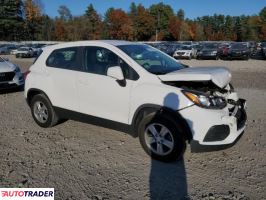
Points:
point(116, 73)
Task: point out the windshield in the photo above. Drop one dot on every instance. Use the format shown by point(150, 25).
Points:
point(239, 46)
point(151, 59)
point(186, 47)
point(210, 46)
point(23, 49)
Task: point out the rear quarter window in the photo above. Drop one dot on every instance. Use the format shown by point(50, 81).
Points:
point(65, 58)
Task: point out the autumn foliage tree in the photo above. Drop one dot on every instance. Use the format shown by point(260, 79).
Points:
point(25, 20)
point(33, 18)
point(120, 25)
point(60, 32)
point(11, 19)
point(94, 23)
point(174, 27)
point(144, 24)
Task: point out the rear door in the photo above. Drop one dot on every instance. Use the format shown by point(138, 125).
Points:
point(63, 66)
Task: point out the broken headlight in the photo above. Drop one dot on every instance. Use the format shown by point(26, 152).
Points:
point(205, 101)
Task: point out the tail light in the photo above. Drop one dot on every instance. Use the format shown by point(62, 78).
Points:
point(25, 74)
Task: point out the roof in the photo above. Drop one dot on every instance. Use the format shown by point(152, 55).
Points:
point(91, 42)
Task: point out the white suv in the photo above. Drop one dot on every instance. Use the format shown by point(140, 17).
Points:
point(137, 89)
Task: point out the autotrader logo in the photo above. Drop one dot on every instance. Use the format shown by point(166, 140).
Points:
point(27, 193)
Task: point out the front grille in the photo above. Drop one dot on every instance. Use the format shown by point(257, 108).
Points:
point(180, 53)
point(6, 76)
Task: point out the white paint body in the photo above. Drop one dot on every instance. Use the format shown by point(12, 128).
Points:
point(102, 96)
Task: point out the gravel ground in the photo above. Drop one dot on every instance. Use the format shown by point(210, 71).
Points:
point(83, 161)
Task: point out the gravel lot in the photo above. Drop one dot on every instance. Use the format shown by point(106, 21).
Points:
point(83, 161)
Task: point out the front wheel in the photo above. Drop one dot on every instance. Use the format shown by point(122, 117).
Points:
point(42, 111)
point(161, 138)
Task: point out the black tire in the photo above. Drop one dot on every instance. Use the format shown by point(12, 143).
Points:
point(52, 118)
point(189, 57)
point(178, 140)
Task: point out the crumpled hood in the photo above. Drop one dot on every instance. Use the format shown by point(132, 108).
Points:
point(7, 67)
point(220, 76)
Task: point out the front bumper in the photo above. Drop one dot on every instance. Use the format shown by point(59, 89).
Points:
point(207, 56)
point(215, 129)
point(23, 55)
point(181, 56)
point(238, 56)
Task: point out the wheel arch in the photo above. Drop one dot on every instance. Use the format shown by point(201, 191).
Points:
point(34, 91)
point(146, 109)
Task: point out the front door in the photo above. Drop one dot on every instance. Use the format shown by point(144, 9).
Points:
point(100, 95)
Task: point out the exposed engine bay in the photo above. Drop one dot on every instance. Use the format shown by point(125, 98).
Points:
point(208, 88)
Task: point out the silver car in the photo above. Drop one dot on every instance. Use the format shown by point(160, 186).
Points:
point(10, 75)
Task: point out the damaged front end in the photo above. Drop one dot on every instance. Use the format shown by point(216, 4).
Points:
point(206, 94)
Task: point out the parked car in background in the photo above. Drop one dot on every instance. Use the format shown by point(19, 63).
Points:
point(3, 50)
point(185, 51)
point(171, 48)
point(186, 43)
point(263, 49)
point(252, 45)
point(239, 50)
point(198, 104)
point(208, 51)
point(10, 75)
point(11, 48)
point(13, 52)
point(223, 50)
point(197, 47)
point(24, 52)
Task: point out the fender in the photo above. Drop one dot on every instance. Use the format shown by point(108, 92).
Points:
point(34, 91)
point(146, 109)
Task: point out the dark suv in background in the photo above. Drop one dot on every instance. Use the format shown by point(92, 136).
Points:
point(263, 49)
point(239, 50)
point(208, 51)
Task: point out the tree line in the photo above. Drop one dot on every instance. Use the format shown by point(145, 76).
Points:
point(25, 20)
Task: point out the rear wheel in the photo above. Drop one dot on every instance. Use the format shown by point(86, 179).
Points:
point(42, 111)
point(161, 138)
